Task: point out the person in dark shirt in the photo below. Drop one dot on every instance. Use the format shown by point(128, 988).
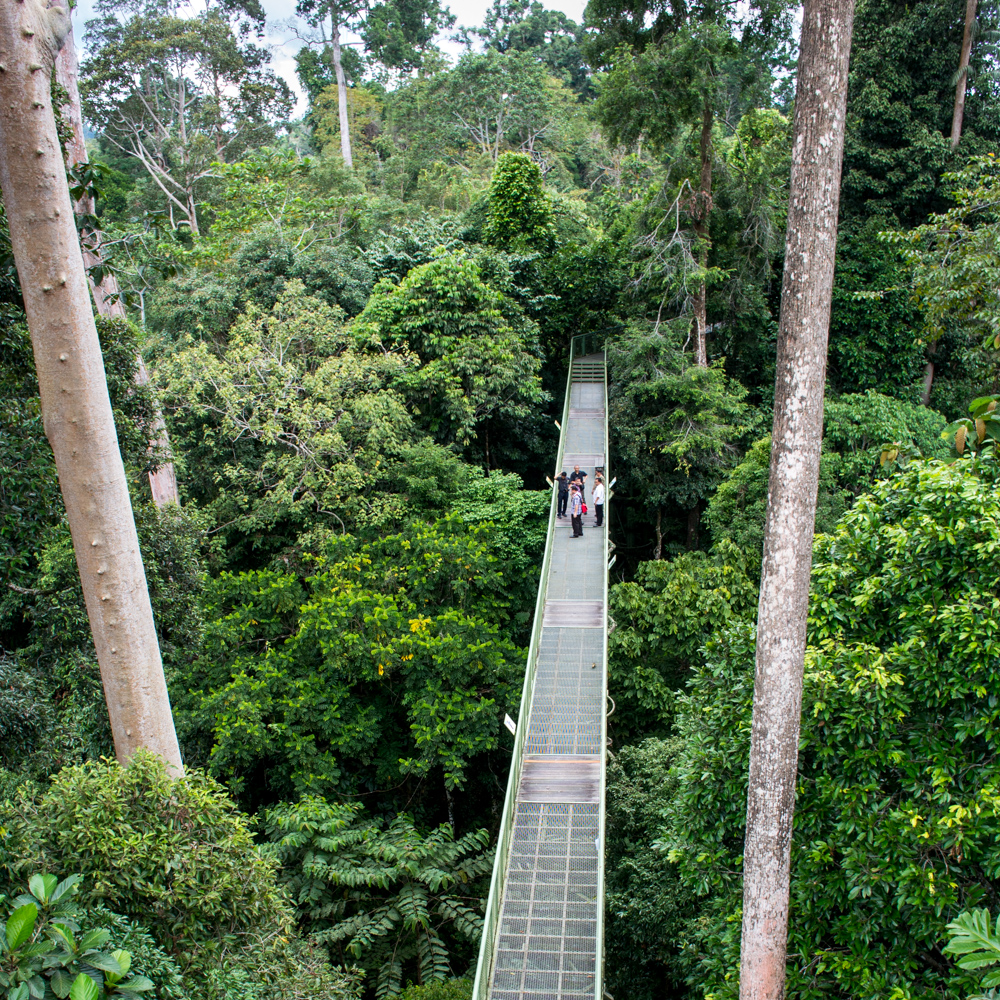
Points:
point(562, 485)
point(576, 476)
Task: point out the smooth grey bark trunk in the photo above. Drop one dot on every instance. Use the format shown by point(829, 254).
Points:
point(75, 406)
point(345, 130)
point(162, 482)
point(963, 74)
point(701, 228)
point(925, 394)
point(806, 293)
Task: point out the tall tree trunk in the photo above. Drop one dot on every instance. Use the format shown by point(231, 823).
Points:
point(658, 551)
point(701, 228)
point(192, 213)
point(963, 74)
point(806, 293)
point(925, 395)
point(449, 799)
point(693, 524)
point(162, 482)
point(73, 387)
point(345, 130)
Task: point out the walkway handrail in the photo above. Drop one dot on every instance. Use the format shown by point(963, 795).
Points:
point(487, 947)
point(599, 979)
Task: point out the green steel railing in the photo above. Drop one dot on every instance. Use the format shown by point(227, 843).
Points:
point(580, 346)
point(599, 979)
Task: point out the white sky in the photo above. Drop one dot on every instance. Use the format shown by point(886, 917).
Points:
point(470, 13)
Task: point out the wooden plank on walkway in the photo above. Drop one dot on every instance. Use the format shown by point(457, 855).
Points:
point(573, 614)
point(560, 778)
point(591, 461)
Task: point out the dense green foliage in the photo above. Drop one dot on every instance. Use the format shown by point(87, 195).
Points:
point(662, 626)
point(896, 820)
point(387, 660)
point(41, 952)
point(388, 898)
point(360, 369)
point(178, 859)
point(856, 432)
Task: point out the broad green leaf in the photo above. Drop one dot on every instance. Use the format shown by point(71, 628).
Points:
point(65, 886)
point(38, 948)
point(124, 960)
point(61, 983)
point(83, 988)
point(106, 963)
point(137, 984)
point(42, 886)
point(980, 404)
point(94, 939)
point(979, 960)
point(20, 924)
point(63, 935)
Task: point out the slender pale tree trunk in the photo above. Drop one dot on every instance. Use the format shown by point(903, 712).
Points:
point(162, 482)
point(963, 74)
point(72, 383)
point(345, 129)
point(925, 395)
point(806, 293)
point(701, 228)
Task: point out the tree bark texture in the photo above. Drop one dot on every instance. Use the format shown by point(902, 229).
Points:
point(807, 288)
point(72, 383)
point(345, 130)
point(163, 481)
point(963, 74)
point(701, 228)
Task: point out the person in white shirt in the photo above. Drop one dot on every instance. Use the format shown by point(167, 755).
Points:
point(598, 495)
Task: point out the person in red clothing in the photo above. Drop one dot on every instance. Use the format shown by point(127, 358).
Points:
point(576, 510)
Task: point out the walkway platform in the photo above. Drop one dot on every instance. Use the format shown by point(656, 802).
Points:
point(543, 938)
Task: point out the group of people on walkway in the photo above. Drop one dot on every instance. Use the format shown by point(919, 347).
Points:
point(573, 497)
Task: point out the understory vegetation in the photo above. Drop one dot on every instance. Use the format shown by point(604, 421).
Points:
point(359, 366)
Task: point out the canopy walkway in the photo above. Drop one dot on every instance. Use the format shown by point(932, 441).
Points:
point(543, 937)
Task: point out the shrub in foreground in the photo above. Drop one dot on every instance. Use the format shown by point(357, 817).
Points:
point(178, 858)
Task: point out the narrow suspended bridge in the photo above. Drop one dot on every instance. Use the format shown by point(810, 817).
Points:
point(543, 937)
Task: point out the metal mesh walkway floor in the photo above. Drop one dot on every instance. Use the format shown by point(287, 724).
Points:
point(545, 940)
